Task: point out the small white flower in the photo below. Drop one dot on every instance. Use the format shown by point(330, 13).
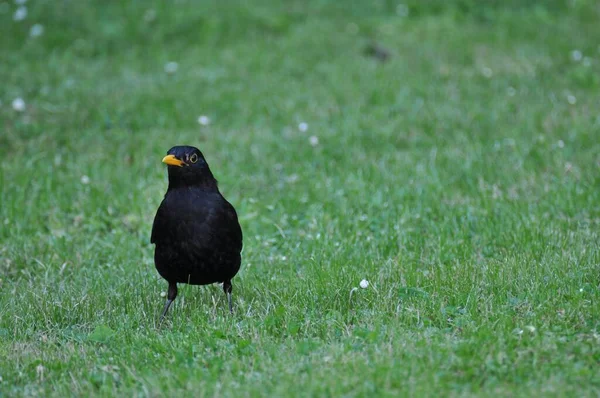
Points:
point(314, 140)
point(587, 61)
point(487, 72)
point(292, 178)
point(150, 15)
point(364, 284)
point(571, 99)
point(20, 14)
point(36, 30)
point(85, 179)
point(576, 55)
point(568, 166)
point(18, 104)
point(402, 10)
point(560, 143)
point(171, 67)
point(580, 290)
point(203, 120)
point(303, 127)
point(163, 294)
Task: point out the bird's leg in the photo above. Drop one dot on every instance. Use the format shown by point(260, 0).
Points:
point(170, 297)
point(227, 288)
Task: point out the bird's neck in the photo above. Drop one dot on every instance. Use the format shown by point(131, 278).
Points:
point(205, 183)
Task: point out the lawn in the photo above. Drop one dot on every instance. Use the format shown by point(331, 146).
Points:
point(460, 177)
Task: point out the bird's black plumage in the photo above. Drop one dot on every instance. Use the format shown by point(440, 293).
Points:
point(196, 231)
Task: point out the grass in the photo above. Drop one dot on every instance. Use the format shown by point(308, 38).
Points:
point(460, 178)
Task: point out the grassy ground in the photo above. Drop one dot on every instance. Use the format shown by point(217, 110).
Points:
point(460, 178)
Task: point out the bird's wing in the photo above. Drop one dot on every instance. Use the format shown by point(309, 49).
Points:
point(234, 230)
point(216, 238)
point(159, 223)
point(208, 219)
point(208, 228)
point(174, 223)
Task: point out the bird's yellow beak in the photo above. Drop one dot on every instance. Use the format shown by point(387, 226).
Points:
point(171, 160)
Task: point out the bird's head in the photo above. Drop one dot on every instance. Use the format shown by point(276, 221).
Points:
point(187, 167)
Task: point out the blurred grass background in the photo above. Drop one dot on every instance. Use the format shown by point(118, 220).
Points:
point(460, 177)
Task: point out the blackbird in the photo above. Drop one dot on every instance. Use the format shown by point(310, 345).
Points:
point(196, 231)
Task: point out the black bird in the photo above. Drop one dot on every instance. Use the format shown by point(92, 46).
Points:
point(196, 231)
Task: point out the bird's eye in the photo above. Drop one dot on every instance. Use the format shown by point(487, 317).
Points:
point(193, 158)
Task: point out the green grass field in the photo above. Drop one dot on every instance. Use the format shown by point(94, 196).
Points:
point(461, 178)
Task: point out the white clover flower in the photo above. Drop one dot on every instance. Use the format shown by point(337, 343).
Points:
point(568, 166)
point(36, 30)
point(150, 15)
point(18, 104)
point(292, 178)
point(487, 72)
point(303, 127)
point(402, 10)
point(203, 120)
point(364, 284)
point(314, 140)
point(163, 294)
point(561, 144)
point(571, 99)
point(85, 179)
point(171, 67)
point(20, 14)
point(576, 55)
